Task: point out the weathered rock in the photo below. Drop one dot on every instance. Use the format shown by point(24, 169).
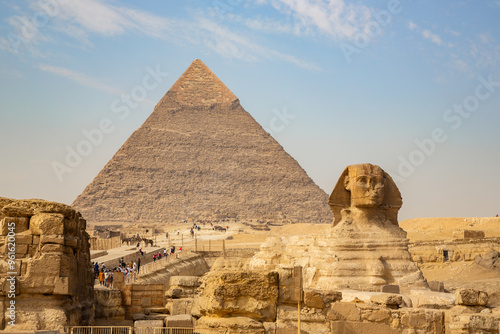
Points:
point(233, 325)
point(52, 265)
point(139, 316)
point(436, 286)
point(489, 260)
point(235, 293)
point(148, 323)
point(388, 299)
point(181, 320)
point(319, 298)
point(211, 156)
point(430, 299)
point(471, 297)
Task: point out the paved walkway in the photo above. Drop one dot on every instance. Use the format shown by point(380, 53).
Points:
point(129, 253)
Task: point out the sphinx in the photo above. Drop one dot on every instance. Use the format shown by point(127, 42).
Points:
point(363, 249)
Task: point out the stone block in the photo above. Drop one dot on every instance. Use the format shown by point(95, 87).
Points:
point(388, 299)
point(431, 299)
point(381, 315)
point(185, 281)
point(180, 306)
point(52, 239)
point(181, 320)
point(471, 297)
point(138, 316)
point(390, 288)
point(436, 286)
point(243, 293)
point(51, 248)
point(21, 249)
point(361, 327)
point(157, 302)
point(20, 225)
point(148, 323)
point(344, 311)
point(320, 299)
point(286, 286)
point(71, 241)
point(24, 239)
point(47, 224)
point(240, 325)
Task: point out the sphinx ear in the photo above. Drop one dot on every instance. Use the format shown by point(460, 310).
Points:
point(347, 182)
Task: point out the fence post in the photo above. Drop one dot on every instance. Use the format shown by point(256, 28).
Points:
point(224, 248)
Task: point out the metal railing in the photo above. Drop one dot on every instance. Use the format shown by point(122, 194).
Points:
point(127, 330)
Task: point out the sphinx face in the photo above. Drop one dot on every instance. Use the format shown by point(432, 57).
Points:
point(367, 191)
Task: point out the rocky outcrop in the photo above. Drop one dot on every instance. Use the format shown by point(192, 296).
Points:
point(201, 155)
point(231, 293)
point(45, 251)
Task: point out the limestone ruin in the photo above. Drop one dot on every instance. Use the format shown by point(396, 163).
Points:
point(200, 155)
point(45, 247)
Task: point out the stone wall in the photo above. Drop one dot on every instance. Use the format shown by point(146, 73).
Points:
point(105, 244)
point(44, 247)
point(456, 250)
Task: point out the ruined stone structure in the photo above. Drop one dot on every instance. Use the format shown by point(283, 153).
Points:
point(200, 155)
point(45, 247)
point(365, 249)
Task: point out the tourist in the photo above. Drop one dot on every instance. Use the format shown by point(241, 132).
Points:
point(106, 276)
point(180, 249)
point(165, 252)
point(178, 231)
point(138, 265)
point(101, 277)
point(159, 256)
point(111, 280)
point(166, 236)
point(154, 257)
point(134, 267)
point(96, 270)
point(140, 250)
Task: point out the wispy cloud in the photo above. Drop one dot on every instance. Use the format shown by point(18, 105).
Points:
point(231, 45)
point(81, 20)
point(80, 78)
point(412, 26)
point(434, 38)
point(334, 18)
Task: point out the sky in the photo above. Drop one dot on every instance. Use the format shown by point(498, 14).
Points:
point(412, 86)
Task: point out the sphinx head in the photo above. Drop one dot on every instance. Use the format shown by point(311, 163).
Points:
point(366, 187)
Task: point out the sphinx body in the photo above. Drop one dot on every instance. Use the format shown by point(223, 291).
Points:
point(364, 248)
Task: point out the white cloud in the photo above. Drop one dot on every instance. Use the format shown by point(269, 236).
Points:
point(80, 78)
point(81, 19)
point(331, 17)
point(232, 45)
point(412, 26)
point(434, 38)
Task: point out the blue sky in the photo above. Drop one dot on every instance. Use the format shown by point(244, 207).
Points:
point(411, 86)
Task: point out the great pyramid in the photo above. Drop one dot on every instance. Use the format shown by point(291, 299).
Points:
point(200, 155)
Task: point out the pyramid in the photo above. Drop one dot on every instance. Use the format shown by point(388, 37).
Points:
point(200, 155)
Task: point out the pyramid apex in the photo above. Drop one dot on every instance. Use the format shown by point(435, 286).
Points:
point(198, 85)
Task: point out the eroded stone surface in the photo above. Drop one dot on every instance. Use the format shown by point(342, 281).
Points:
point(54, 281)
